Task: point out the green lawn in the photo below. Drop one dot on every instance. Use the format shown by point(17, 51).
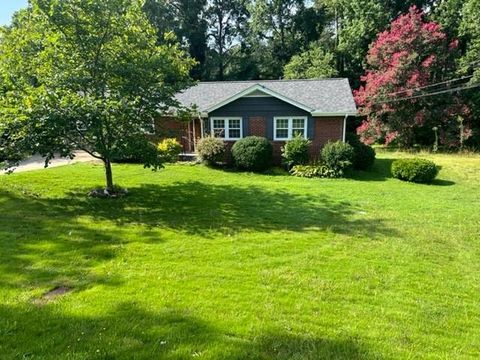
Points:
point(201, 263)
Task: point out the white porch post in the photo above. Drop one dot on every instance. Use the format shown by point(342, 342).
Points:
point(201, 128)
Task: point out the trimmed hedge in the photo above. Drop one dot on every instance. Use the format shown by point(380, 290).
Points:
point(295, 151)
point(338, 157)
point(252, 153)
point(211, 150)
point(364, 154)
point(414, 170)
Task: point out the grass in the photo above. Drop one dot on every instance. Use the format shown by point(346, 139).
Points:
point(200, 263)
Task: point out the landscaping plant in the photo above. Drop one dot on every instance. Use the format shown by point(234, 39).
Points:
point(295, 151)
point(338, 157)
point(414, 170)
point(169, 150)
point(211, 150)
point(364, 154)
point(253, 153)
point(313, 171)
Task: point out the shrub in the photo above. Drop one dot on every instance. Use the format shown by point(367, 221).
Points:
point(312, 171)
point(414, 170)
point(252, 153)
point(295, 151)
point(211, 150)
point(364, 154)
point(338, 157)
point(169, 150)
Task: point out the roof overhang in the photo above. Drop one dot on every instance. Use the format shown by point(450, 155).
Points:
point(256, 88)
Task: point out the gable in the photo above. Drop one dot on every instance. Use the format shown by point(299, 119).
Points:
point(258, 89)
point(267, 106)
point(326, 97)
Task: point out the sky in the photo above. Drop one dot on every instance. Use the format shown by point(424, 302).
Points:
point(8, 7)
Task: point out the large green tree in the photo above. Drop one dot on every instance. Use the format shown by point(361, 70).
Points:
point(186, 19)
point(226, 21)
point(279, 30)
point(86, 74)
point(470, 29)
point(353, 26)
point(311, 64)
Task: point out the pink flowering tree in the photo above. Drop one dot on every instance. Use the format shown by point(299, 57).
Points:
point(403, 60)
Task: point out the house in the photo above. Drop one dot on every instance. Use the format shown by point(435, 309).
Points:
point(277, 110)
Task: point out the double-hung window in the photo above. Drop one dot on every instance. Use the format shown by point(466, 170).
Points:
point(286, 128)
point(227, 128)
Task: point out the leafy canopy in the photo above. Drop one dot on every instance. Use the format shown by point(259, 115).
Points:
point(412, 54)
point(86, 74)
point(311, 64)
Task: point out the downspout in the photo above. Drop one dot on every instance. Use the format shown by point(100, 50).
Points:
point(345, 128)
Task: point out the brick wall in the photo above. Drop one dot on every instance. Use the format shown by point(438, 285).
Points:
point(277, 152)
point(326, 129)
point(170, 127)
point(257, 126)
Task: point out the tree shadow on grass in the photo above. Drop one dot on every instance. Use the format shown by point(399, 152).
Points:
point(45, 245)
point(129, 332)
point(380, 171)
point(209, 210)
point(59, 241)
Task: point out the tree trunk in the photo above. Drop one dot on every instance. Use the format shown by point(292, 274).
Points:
point(108, 175)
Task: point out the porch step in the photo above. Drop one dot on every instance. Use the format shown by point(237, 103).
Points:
point(188, 157)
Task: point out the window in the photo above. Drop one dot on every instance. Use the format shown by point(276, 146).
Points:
point(286, 128)
point(227, 128)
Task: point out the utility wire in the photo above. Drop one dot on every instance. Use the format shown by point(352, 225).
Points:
point(436, 84)
point(461, 88)
point(431, 85)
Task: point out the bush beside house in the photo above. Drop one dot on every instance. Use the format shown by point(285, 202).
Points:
point(338, 157)
point(253, 153)
point(364, 154)
point(211, 150)
point(296, 152)
point(169, 150)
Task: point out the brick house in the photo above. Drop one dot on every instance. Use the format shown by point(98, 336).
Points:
point(277, 110)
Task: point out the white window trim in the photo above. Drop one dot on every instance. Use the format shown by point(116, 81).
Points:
point(290, 127)
point(227, 127)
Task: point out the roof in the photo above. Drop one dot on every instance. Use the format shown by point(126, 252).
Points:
point(319, 96)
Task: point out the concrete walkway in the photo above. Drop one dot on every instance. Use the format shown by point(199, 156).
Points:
point(37, 162)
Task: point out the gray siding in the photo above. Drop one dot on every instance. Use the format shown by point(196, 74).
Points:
point(267, 107)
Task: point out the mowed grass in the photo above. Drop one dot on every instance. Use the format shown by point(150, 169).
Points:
point(207, 264)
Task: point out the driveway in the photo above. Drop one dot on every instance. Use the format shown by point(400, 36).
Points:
point(37, 162)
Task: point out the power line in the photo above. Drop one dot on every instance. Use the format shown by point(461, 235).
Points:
point(431, 85)
point(439, 83)
point(431, 94)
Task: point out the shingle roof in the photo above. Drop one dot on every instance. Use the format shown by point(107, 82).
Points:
point(321, 96)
